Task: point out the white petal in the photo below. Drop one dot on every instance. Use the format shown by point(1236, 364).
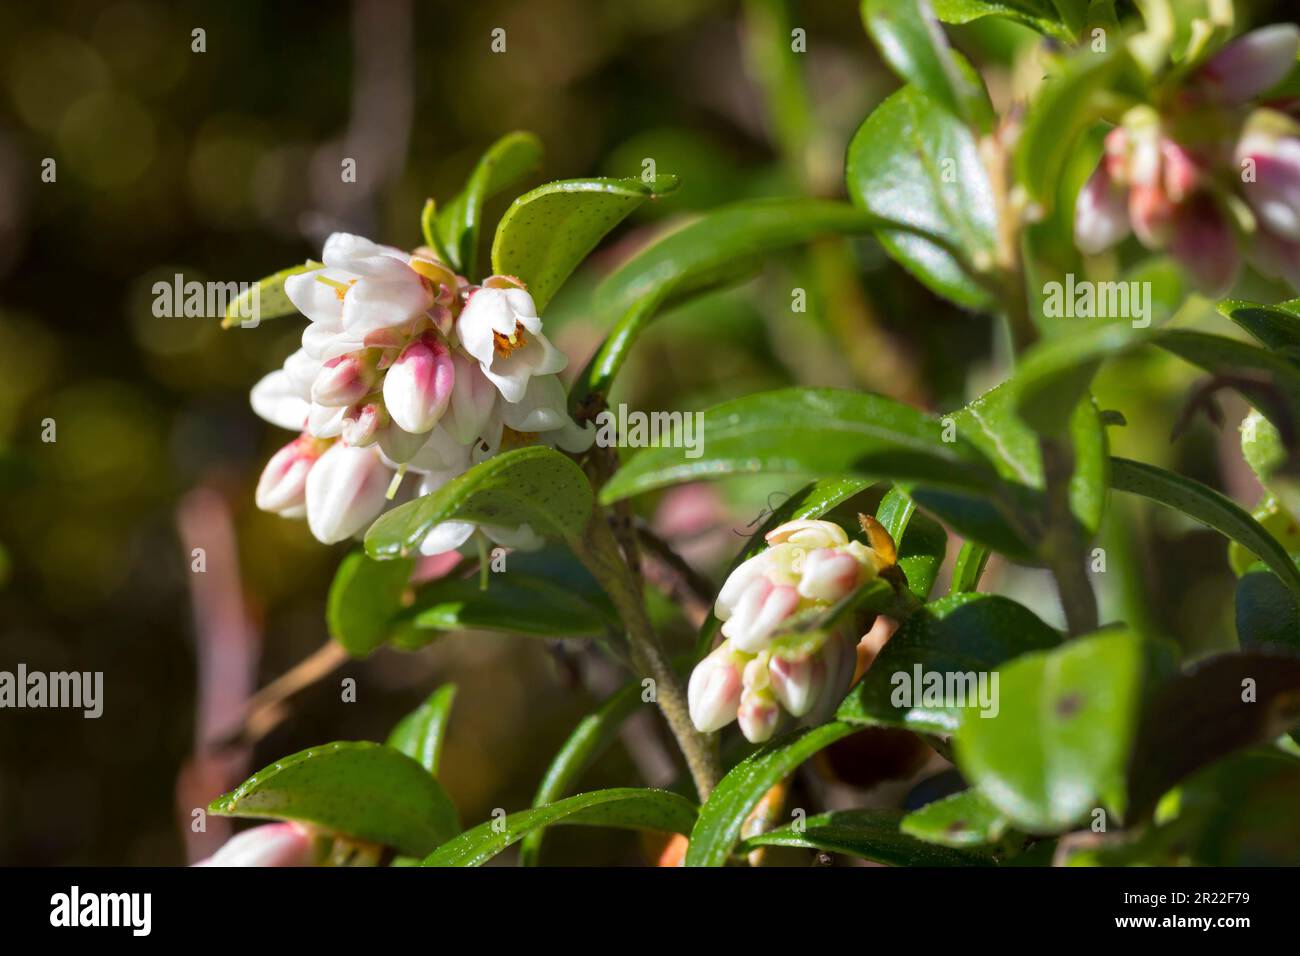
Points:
point(277, 399)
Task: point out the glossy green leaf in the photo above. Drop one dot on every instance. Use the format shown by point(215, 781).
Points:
point(810, 431)
point(1267, 613)
point(1214, 707)
point(921, 553)
point(357, 788)
point(1060, 743)
point(535, 486)
point(1038, 15)
point(968, 568)
point(420, 733)
point(459, 222)
point(364, 598)
point(718, 829)
point(811, 501)
point(624, 807)
point(265, 299)
point(546, 233)
point(429, 229)
point(870, 834)
point(963, 635)
point(1277, 326)
point(1278, 522)
point(716, 249)
point(1208, 507)
point(895, 512)
point(914, 162)
point(1067, 105)
point(917, 50)
point(591, 738)
point(961, 820)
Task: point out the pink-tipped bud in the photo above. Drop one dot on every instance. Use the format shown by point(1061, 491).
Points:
point(758, 715)
point(797, 683)
point(713, 692)
point(362, 424)
point(282, 488)
point(1205, 244)
point(828, 575)
point(418, 386)
point(761, 609)
point(273, 844)
point(1151, 214)
point(342, 381)
point(345, 492)
point(1252, 64)
point(1115, 157)
point(1100, 214)
point(808, 533)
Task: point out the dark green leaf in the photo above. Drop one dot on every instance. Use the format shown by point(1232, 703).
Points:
point(459, 222)
point(1277, 326)
point(963, 819)
point(921, 553)
point(723, 814)
point(625, 807)
point(364, 598)
point(1038, 15)
point(915, 163)
point(1208, 507)
point(356, 788)
point(535, 486)
point(546, 233)
point(968, 568)
point(963, 634)
point(871, 834)
point(1267, 614)
point(420, 733)
point(717, 249)
point(589, 740)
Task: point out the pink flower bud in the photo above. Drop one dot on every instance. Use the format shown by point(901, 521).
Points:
point(1206, 246)
point(713, 692)
point(1182, 171)
point(797, 683)
point(761, 609)
point(808, 533)
point(273, 844)
point(840, 657)
point(1151, 214)
point(341, 381)
point(758, 715)
point(282, 488)
point(418, 386)
point(1115, 157)
point(1101, 214)
point(1251, 64)
point(1273, 190)
point(362, 423)
point(345, 492)
point(828, 575)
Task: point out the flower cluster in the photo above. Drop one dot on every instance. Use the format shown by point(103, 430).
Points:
point(1209, 176)
point(753, 674)
point(405, 366)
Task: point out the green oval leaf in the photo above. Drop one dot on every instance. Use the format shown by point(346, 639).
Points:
point(723, 814)
point(960, 636)
point(624, 807)
point(536, 486)
point(810, 431)
point(1060, 743)
point(1208, 507)
point(265, 299)
point(546, 233)
point(420, 733)
point(960, 820)
point(1277, 326)
point(915, 163)
point(714, 250)
point(514, 602)
point(591, 738)
point(356, 788)
point(1040, 15)
point(870, 834)
point(916, 49)
point(364, 599)
point(458, 224)
point(1266, 611)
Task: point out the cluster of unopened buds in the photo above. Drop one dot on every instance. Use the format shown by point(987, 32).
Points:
point(1209, 173)
point(754, 673)
point(405, 366)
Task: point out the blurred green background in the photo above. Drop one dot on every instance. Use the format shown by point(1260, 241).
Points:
point(225, 165)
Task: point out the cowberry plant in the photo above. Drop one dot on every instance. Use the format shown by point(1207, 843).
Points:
point(1148, 162)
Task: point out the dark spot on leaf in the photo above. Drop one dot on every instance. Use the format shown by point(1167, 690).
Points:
point(1069, 705)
